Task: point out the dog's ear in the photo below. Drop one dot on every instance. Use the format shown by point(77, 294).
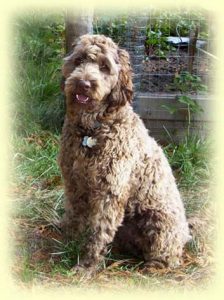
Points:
point(123, 91)
point(68, 65)
point(62, 83)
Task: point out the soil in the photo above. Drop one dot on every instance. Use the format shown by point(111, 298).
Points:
point(158, 73)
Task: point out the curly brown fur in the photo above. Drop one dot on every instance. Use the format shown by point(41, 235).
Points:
point(121, 189)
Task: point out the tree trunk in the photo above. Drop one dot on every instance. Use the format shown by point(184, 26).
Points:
point(77, 24)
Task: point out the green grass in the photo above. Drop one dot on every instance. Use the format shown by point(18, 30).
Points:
point(38, 52)
point(191, 160)
point(35, 157)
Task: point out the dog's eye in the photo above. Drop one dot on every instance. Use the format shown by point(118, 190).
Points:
point(104, 68)
point(78, 61)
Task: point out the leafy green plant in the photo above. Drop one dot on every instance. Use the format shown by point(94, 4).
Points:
point(179, 22)
point(189, 158)
point(186, 83)
point(114, 27)
point(157, 43)
point(164, 23)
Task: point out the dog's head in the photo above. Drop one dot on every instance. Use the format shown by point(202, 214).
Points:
point(97, 72)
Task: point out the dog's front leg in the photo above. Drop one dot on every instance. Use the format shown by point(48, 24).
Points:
point(107, 213)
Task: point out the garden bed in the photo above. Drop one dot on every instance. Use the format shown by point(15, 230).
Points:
point(158, 73)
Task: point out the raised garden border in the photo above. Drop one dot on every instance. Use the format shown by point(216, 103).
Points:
point(164, 126)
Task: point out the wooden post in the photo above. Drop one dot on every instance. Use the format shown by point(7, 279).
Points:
point(77, 24)
point(192, 48)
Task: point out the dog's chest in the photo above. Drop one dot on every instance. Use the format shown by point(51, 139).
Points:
point(82, 152)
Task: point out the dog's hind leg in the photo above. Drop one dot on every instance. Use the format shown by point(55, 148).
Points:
point(162, 239)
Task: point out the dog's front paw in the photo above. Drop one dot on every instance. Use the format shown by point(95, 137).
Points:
point(82, 270)
point(155, 264)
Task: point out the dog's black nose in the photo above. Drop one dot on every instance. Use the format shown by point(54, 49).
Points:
point(84, 85)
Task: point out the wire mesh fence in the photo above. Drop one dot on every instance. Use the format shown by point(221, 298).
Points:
point(167, 48)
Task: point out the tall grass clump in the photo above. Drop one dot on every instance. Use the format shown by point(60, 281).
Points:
point(190, 160)
point(37, 57)
point(35, 157)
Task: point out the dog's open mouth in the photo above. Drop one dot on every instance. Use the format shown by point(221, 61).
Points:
point(81, 98)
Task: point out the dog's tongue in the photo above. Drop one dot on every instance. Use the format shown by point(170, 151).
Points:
point(82, 98)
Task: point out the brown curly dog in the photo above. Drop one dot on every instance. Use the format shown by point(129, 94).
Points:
point(118, 183)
